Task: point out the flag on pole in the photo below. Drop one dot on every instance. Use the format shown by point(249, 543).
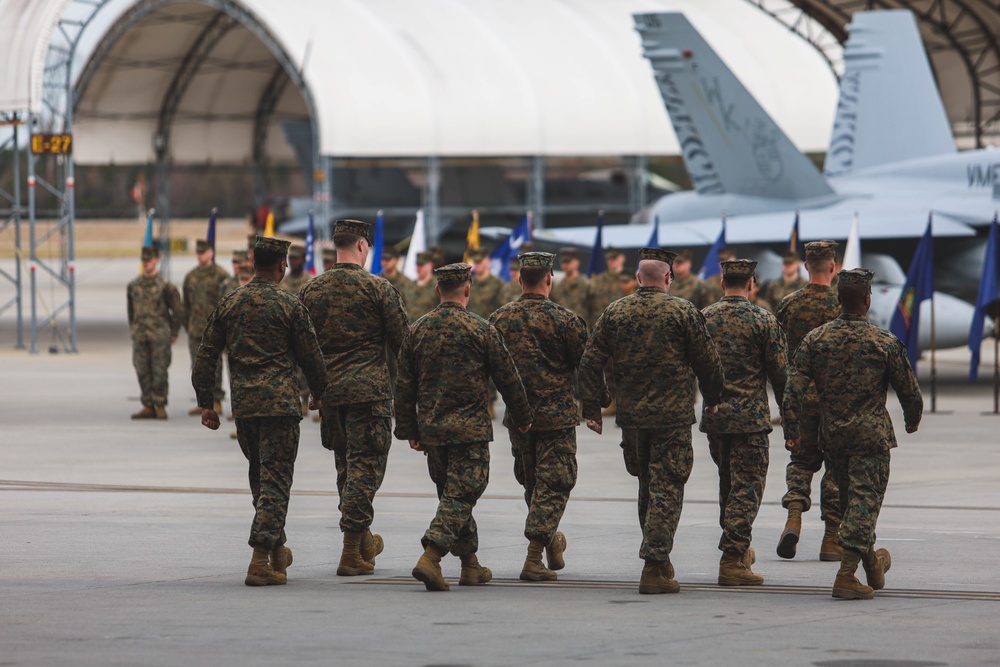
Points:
point(210, 235)
point(596, 264)
point(377, 244)
point(988, 295)
point(147, 240)
point(311, 246)
point(919, 286)
point(654, 238)
point(501, 256)
point(418, 244)
point(269, 225)
point(852, 253)
point(711, 265)
point(472, 238)
point(795, 243)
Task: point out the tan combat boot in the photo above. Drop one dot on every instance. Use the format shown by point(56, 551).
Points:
point(554, 552)
point(428, 569)
point(733, 571)
point(195, 411)
point(793, 526)
point(281, 558)
point(351, 562)
point(830, 549)
point(610, 410)
point(146, 413)
point(260, 572)
point(371, 546)
point(217, 407)
point(658, 578)
point(491, 410)
point(161, 412)
point(846, 586)
point(749, 558)
point(473, 573)
point(533, 569)
point(876, 563)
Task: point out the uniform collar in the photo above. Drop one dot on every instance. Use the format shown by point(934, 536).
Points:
point(346, 265)
point(261, 280)
point(450, 304)
point(735, 298)
point(853, 317)
point(532, 296)
point(649, 289)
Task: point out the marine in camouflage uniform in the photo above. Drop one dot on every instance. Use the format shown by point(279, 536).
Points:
point(390, 268)
point(155, 314)
point(296, 278)
point(686, 285)
point(204, 286)
point(445, 362)
point(358, 317)
point(486, 293)
point(329, 258)
point(789, 281)
point(713, 284)
point(852, 363)
point(549, 340)
point(606, 288)
point(659, 344)
point(752, 348)
point(574, 290)
point(798, 314)
point(512, 288)
point(419, 294)
point(267, 333)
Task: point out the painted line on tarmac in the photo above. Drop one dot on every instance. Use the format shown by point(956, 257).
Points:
point(973, 596)
point(16, 485)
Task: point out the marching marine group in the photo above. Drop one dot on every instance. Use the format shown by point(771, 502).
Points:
point(431, 354)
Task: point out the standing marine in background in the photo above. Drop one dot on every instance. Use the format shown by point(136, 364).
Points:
point(686, 285)
point(605, 289)
point(419, 294)
point(296, 276)
point(713, 284)
point(512, 289)
point(204, 286)
point(789, 281)
point(390, 268)
point(155, 314)
point(574, 290)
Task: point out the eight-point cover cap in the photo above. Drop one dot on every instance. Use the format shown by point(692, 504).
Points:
point(150, 252)
point(658, 255)
point(739, 267)
point(356, 227)
point(271, 244)
point(539, 259)
point(862, 277)
point(821, 250)
point(454, 273)
point(201, 245)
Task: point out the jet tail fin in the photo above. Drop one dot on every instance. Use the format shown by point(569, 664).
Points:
point(729, 143)
point(889, 108)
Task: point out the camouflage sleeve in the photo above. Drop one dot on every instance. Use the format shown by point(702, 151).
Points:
point(186, 297)
point(776, 358)
point(213, 342)
point(795, 389)
point(306, 349)
point(705, 359)
point(176, 308)
point(507, 379)
point(904, 383)
point(593, 387)
point(405, 396)
point(129, 306)
point(397, 321)
point(575, 335)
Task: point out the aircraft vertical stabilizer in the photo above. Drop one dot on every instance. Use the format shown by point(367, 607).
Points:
point(890, 109)
point(729, 143)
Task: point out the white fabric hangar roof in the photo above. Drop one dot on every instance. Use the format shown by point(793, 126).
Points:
point(398, 78)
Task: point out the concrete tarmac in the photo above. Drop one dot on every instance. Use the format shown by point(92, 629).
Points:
point(125, 542)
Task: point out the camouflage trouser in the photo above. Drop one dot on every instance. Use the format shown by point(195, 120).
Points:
point(808, 461)
point(270, 445)
point(661, 458)
point(545, 465)
point(460, 473)
point(359, 434)
point(742, 460)
point(863, 478)
point(194, 342)
point(151, 359)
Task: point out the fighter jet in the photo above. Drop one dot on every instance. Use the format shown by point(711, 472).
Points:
point(892, 160)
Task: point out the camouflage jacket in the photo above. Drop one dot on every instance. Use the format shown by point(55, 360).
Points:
point(803, 310)
point(203, 289)
point(293, 284)
point(606, 288)
point(485, 297)
point(267, 333)
point(547, 341)
point(357, 316)
point(575, 294)
point(510, 292)
point(398, 281)
point(692, 288)
point(419, 299)
point(778, 289)
point(445, 363)
point(713, 286)
point(230, 284)
point(752, 348)
point(155, 310)
point(659, 344)
point(852, 363)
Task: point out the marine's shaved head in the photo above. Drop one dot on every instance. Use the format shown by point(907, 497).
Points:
point(854, 298)
point(653, 274)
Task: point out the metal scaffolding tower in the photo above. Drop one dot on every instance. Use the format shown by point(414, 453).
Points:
point(11, 213)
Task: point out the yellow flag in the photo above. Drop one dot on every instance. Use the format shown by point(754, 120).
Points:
point(472, 238)
point(269, 225)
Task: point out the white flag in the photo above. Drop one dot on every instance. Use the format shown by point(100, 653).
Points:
point(852, 253)
point(418, 244)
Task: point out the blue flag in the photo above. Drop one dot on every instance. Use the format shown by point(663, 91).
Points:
point(795, 243)
point(654, 238)
point(711, 265)
point(310, 266)
point(919, 287)
point(501, 256)
point(988, 295)
point(377, 245)
point(147, 241)
point(210, 236)
point(596, 264)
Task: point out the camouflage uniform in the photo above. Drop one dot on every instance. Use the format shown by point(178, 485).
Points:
point(853, 363)
point(398, 280)
point(358, 317)
point(485, 296)
point(606, 288)
point(714, 291)
point(752, 349)
point(444, 363)
point(203, 289)
point(659, 344)
point(510, 292)
point(267, 333)
point(576, 295)
point(798, 314)
point(778, 289)
point(155, 314)
point(692, 288)
point(293, 284)
point(419, 299)
point(548, 339)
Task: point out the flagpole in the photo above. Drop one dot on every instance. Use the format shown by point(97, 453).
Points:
point(933, 358)
point(996, 362)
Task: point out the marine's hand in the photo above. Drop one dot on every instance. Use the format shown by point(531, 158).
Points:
point(792, 445)
point(912, 429)
point(416, 446)
point(524, 429)
point(596, 425)
point(173, 339)
point(314, 403)
point(711, 409)
point(210, 419)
